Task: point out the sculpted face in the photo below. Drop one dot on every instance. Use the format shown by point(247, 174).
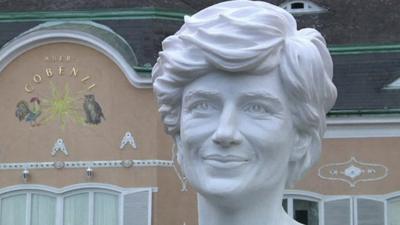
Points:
point(236, 133)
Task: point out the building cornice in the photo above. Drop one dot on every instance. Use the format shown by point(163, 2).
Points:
point(372, 126)
point(364, 49)
point(360, 112)
point(115, 14)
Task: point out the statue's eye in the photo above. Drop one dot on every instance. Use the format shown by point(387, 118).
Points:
point(256, 109)
point(201, 106)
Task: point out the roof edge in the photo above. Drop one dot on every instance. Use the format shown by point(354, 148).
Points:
point(90, 34)
point(360, 112)
point(363, 49)
point(114, 14)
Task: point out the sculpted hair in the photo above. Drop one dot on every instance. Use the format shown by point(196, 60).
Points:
point(251, 37)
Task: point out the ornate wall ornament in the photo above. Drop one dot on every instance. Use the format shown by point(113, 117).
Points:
point(59, 146)
point(59, 165)
point(127, 139)
point(353, 172)
point(127, 163)
point(93, 111)
point(29, 111)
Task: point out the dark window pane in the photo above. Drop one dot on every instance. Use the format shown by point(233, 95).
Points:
point(284, 204)
point(305, 212)
point(297, 5)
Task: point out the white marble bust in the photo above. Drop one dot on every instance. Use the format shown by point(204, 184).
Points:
point(244, 95)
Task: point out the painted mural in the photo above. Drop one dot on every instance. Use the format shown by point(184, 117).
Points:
point(61, 106)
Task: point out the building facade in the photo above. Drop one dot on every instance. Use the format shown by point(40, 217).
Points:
point(81, 141)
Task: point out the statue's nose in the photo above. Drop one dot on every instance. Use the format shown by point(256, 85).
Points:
point(227, 132)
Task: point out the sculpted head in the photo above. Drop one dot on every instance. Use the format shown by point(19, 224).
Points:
point(244, 94)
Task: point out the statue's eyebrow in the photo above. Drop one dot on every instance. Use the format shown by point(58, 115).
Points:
point(201, 93)
point(262, 95)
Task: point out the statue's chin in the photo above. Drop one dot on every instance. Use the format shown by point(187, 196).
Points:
point(224, 189)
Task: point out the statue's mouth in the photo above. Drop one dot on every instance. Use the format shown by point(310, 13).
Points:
point(225, 161)
point(226, 158)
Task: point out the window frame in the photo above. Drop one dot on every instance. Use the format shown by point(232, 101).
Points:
point(7, 195)
point(61, 193)
point(387, 198)
point(309, 7)
point(290, 195)
point(373, 198)
point(330, 198)
point(299, 3)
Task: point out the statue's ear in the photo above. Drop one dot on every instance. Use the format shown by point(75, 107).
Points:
point(302, 144)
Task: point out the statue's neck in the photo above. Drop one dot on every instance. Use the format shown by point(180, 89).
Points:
point(257, 210)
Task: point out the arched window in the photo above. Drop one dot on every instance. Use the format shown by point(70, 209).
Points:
point(310, 208)
point(78, 205)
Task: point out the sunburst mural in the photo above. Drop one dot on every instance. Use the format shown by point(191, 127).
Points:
point(62, 106)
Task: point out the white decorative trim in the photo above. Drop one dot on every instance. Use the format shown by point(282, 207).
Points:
point(127, 139)
point(150, 206)
point(59, 146)
point(121, 213)
point(86, 164)
point(290, 206)
point(91, 207)
point(28, 214)
point(363, 126)
point(353, 172)
point(391, 195)
point(28, 41)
